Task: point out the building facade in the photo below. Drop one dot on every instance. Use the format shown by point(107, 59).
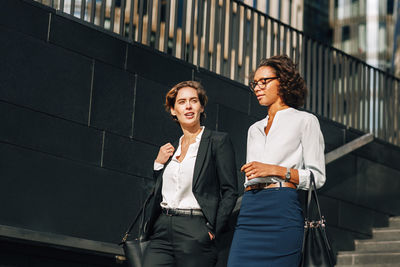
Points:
point(364, 29)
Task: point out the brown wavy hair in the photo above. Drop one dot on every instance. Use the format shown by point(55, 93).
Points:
point(170, 97)
point(292, 87)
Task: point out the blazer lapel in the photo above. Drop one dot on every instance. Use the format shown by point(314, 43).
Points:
point(201, 154)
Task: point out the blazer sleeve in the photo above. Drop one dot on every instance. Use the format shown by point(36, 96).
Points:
point(226, 171)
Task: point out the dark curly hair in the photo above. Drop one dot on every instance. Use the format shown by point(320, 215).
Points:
point(292, 87)
point(170, 97)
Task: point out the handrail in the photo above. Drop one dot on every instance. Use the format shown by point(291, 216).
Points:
point(348, 148)
point(229, 38)
point(58, 240)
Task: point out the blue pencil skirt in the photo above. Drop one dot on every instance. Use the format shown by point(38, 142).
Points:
point(269, 230)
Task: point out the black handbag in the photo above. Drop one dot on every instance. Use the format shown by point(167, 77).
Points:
point(316, 249)
point(134, 249)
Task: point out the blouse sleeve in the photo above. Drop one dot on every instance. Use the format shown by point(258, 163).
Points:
point(313, 154)
point(158, 166)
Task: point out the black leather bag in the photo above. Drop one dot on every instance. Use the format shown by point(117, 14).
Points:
point(134, 249)
point(316, 248)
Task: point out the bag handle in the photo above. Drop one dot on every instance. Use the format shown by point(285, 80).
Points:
point(312, 191)
point(312, 194)
point(127, 233)
point(175, 144)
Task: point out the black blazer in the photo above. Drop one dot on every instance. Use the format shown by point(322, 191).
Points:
point(214, 183)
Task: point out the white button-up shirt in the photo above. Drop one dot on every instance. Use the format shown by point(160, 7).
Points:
point(293, 141)
point(178, 178)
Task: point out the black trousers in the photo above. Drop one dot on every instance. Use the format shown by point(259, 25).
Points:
point(180, 241)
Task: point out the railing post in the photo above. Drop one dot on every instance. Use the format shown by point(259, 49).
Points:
point(229, 37)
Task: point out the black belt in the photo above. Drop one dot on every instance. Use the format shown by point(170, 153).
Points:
point(182, 212)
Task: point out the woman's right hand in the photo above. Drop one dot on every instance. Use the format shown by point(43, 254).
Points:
point(256, 169)
point(165, 152)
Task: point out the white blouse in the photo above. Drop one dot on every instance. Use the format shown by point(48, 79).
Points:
point(178, 178)
point(293, 141)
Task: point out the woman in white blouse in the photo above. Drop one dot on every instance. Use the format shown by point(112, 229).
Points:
point(282, 151)
point(195, 190)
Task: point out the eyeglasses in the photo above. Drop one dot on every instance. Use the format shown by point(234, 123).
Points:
point(262, 83)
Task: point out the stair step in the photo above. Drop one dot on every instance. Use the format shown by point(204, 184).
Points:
point(394, 222)
point(377, 246)
point(368, 258)
point(383, 250)
point(385, 234)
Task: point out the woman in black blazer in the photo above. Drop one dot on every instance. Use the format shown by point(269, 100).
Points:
point(196, 187)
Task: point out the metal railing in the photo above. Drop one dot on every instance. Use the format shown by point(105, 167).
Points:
point(229, 38)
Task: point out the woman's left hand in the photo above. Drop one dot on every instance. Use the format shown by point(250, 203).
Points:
point(256, 169)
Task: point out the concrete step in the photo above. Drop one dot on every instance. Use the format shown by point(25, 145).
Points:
point(368, 258)
point(383, 250)
point(394, 222)
point(385, 234)
point(372, 245)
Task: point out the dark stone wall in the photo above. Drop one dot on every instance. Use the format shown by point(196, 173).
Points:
point(82, 117)
point(361, 191)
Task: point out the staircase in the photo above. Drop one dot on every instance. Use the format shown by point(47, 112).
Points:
point(382, 250)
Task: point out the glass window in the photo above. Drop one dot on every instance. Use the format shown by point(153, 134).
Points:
point(373, 7)
point(345, 33)
point(382, 37)
point(362, 38)
point(355, 8)
point(390, 6)
point(347, 9)
point(344, 9)
point(361, 9)
point(382, 8)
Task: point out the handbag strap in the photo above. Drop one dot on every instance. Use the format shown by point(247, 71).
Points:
point(127, 233)
point(175, 144)
point(312, 191)
point(312, 194)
